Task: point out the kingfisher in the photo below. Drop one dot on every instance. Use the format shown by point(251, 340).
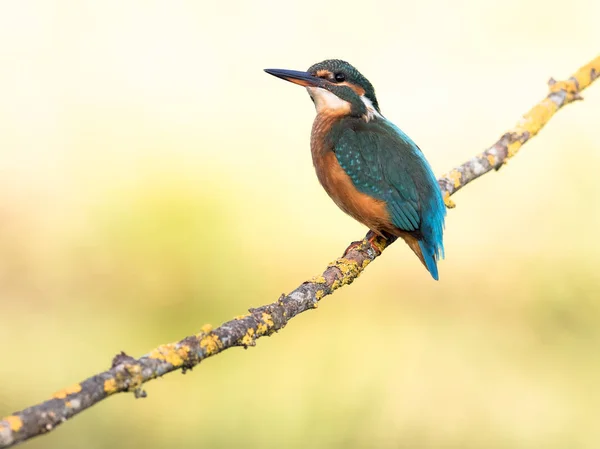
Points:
point(370, 168)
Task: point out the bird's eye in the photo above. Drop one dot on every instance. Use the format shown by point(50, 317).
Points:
point(339, 77)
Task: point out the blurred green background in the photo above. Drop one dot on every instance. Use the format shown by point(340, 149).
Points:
point(153, 178)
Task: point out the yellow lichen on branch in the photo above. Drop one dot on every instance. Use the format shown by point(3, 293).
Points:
point(248, 338)
point(61, 394)
point(265, 325)
point(560, 94)
point(171, 353)
point(210, 343)
point(566, 91)
point(110, 386)
point(455, 176)
point(15, 423)
point(531, 124)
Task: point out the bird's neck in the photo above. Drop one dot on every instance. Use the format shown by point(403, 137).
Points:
point(328, 124)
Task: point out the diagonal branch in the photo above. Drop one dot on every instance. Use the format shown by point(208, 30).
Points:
point(128, 373)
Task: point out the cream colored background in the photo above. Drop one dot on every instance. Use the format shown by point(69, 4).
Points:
point(154, 178)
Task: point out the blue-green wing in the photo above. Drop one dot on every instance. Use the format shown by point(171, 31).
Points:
point(384, 165)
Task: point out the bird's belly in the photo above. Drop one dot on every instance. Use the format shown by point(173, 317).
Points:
point(338, 185)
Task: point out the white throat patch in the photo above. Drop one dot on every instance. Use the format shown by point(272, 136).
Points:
point(371, 111)
point(325, 101)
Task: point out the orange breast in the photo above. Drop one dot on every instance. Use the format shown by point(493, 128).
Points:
point(338, 185)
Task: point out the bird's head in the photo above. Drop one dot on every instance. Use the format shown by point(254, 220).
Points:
point(335, 87)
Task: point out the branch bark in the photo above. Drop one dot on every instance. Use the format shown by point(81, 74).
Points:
point(128, 374)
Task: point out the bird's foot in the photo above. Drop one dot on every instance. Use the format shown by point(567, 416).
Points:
point(373, 240)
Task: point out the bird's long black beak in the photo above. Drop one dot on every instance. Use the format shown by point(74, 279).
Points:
point(302, 78)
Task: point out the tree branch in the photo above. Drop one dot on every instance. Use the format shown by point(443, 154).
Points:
point(128, 373)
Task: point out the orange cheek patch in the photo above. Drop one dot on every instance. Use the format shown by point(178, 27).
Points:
point(323, 73)
point(359, 90)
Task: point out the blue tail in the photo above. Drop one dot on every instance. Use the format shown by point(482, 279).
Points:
point(430, 259)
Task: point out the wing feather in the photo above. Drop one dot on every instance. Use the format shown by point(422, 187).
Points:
point(379, 163)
